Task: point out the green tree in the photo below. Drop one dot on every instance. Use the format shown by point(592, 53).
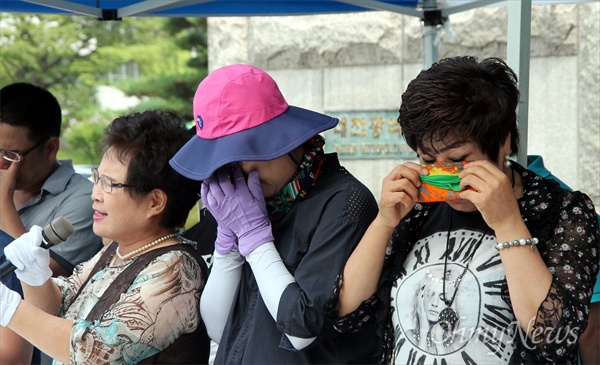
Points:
point(172, 86)
point(72, 56)
point(49, 53)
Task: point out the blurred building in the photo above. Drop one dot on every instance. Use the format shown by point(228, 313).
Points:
point(356, 66)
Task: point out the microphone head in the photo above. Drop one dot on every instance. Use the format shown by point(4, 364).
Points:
point(58, 231)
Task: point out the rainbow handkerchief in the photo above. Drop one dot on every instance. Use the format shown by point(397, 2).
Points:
point(442, 183)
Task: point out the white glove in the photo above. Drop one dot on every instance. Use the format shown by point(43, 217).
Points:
point(9, 301)
point(32, 261)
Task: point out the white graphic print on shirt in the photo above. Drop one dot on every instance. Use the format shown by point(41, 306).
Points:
point(485, 331)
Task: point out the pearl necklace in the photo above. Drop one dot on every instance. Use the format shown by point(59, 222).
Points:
point(145, 247)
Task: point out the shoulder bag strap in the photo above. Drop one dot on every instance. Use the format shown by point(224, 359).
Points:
point(101, 263)
point(126, 278)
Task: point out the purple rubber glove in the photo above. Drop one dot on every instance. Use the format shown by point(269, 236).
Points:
point(239, 207)
point(226, 240)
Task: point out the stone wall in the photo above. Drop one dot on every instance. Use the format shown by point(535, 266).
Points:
point(363, 62)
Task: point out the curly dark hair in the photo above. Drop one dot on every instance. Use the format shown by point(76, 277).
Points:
point(146, 141)
point(461, 99)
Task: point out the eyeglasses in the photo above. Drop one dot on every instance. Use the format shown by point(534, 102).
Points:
point(13, 156)
point(107, 183)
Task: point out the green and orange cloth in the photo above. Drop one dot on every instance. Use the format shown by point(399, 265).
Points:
point(442, 183)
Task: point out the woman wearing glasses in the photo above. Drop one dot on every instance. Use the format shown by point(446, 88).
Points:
point(137, 299)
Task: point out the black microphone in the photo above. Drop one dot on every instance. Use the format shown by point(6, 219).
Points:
point(57, 231)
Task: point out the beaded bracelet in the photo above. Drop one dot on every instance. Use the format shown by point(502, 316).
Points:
point(522, 242)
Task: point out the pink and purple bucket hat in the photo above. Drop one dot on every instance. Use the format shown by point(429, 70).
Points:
point(241, 115)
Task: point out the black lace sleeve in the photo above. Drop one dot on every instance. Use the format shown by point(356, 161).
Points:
point(375, 310)
point(571, 254)
point(363, 316)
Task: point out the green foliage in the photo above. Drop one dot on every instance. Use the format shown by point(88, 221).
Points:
point(72, 56)
point(81, 140)
point(174, 92)
point(41, 51)
point(171, 84)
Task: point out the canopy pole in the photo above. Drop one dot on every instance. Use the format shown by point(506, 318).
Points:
point(517, 55)
point(432, 18)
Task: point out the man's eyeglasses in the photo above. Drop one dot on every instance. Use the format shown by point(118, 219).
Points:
point(107, 183)
point(13, 156)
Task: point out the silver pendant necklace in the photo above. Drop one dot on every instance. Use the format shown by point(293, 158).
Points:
point(448, 317)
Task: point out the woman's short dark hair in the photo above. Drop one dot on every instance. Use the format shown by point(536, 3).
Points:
point(460, 98)
point(147, 141)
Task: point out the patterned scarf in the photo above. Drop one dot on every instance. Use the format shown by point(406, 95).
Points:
point(305, 177)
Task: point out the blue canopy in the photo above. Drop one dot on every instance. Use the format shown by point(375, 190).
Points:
point(429, 11)
point(115, 9)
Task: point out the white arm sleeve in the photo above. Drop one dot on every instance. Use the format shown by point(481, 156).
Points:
point(219, 292)
point(272, 278)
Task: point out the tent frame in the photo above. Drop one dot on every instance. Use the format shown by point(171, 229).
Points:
point(518, 44)
point(432, 16)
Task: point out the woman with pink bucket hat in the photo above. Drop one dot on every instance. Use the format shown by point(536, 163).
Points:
point(288, 217)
